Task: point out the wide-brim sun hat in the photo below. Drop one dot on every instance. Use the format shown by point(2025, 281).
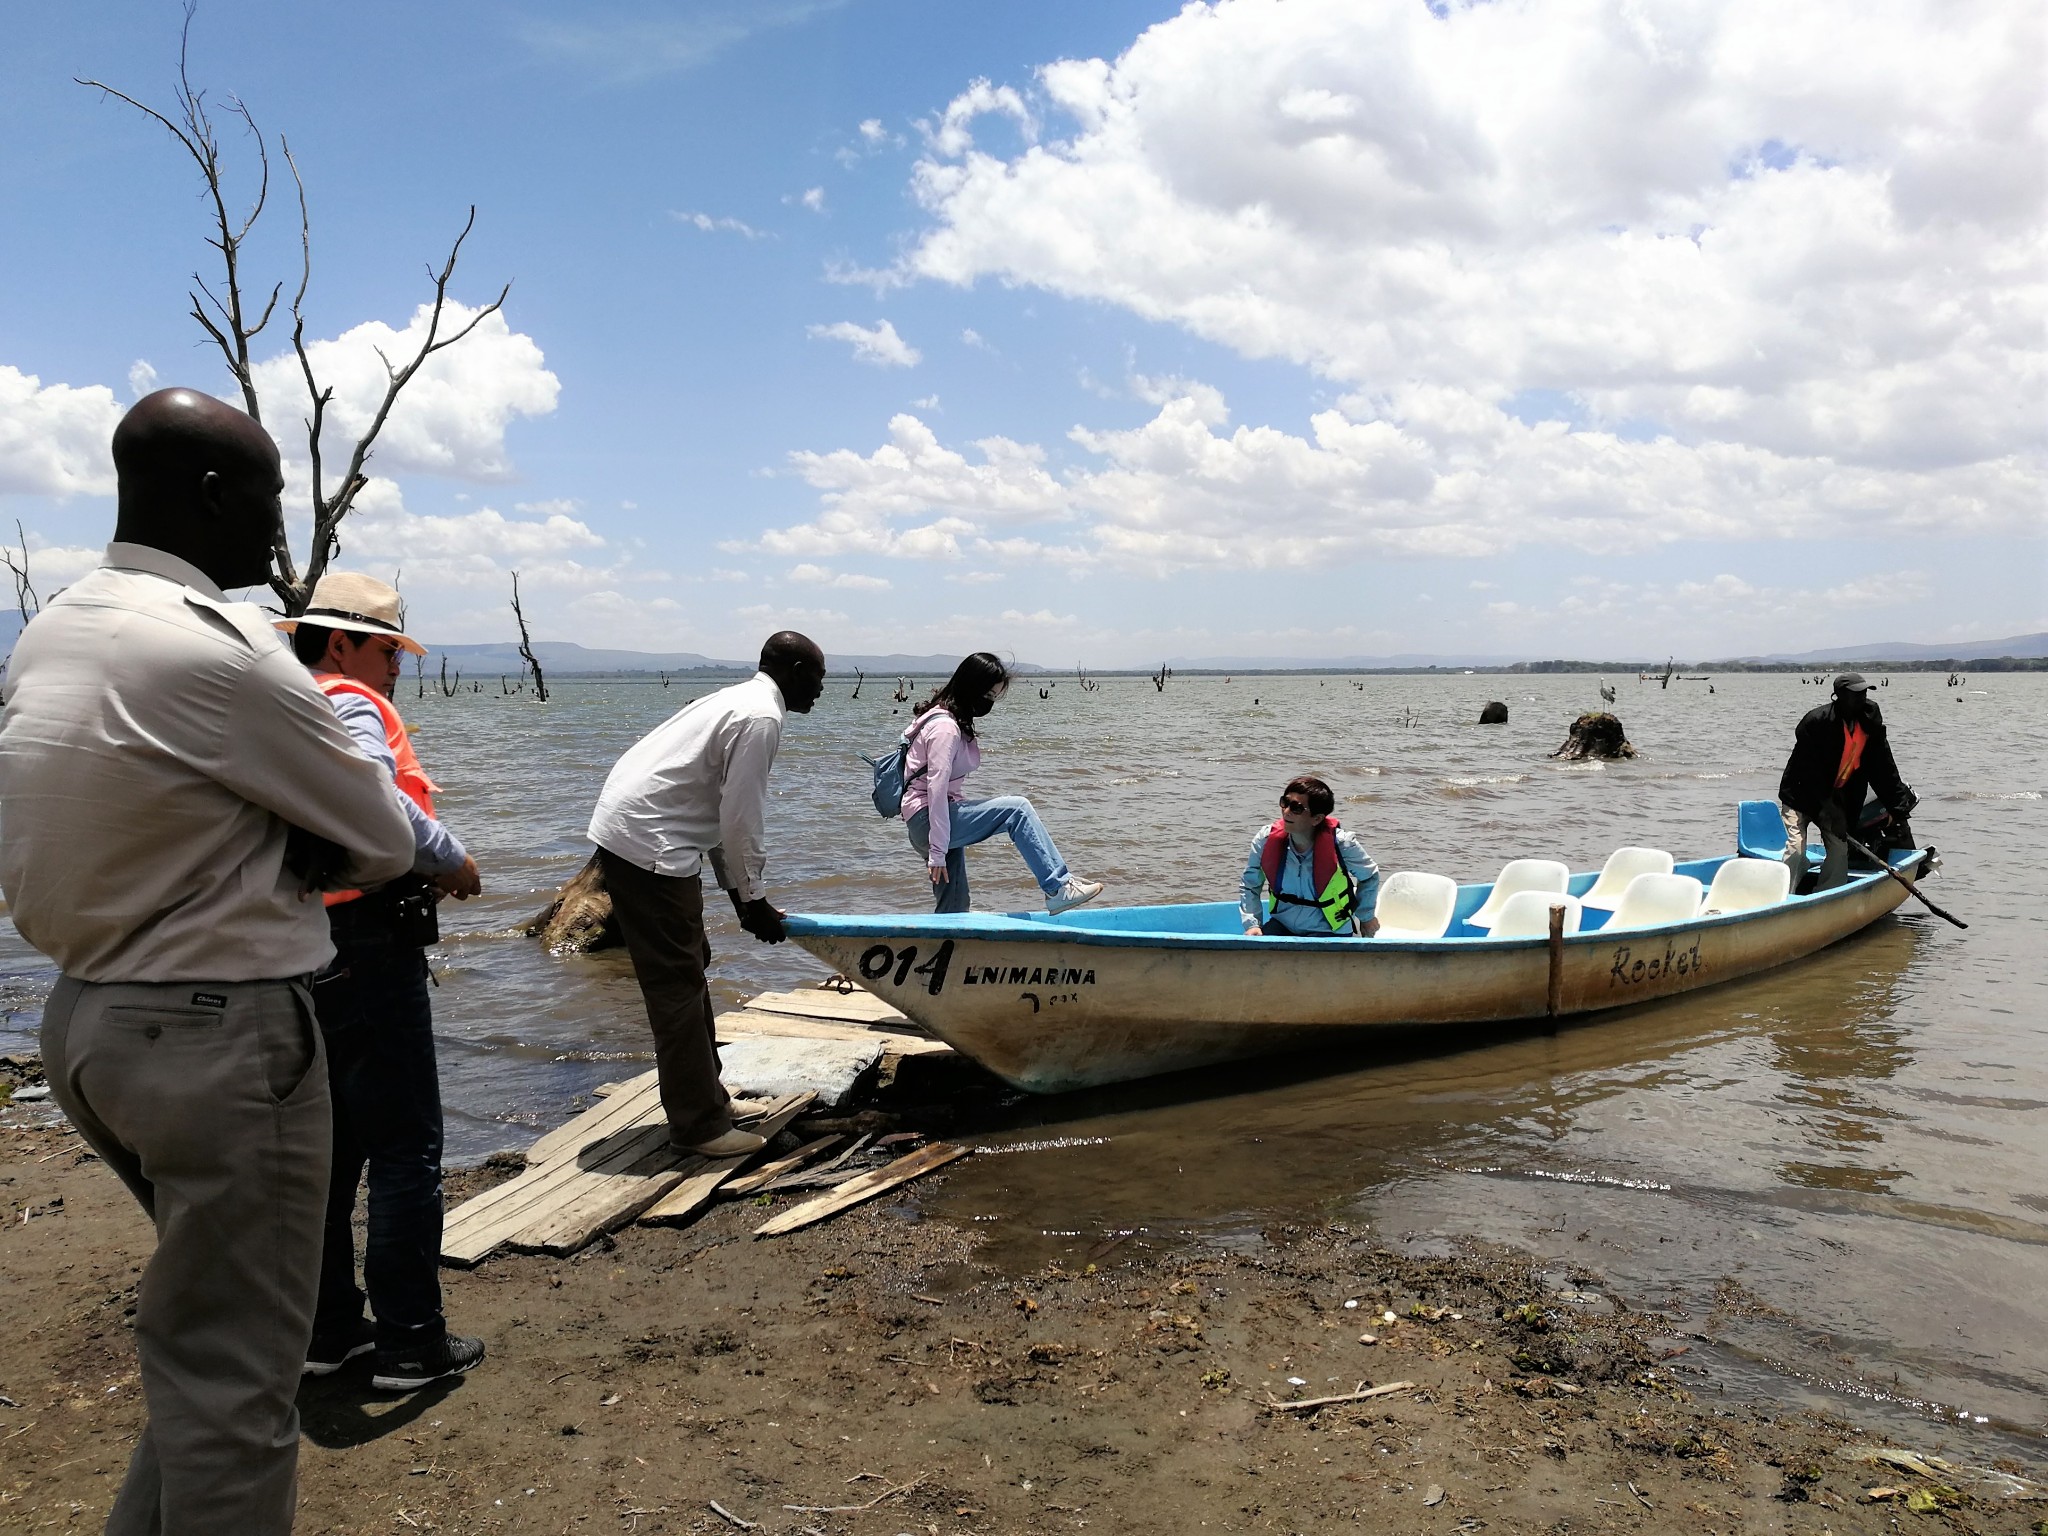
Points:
point(361, 604)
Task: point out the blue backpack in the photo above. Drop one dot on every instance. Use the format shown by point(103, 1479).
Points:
point(889, 781)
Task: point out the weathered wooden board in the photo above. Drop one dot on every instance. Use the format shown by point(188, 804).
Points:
point(476, 1227)
point(596, 1205)
point(828, 1003)
point(864, 1187)
point(625, 1107)
point(769, 1172)
point(621, 1136)
point(751, 1021)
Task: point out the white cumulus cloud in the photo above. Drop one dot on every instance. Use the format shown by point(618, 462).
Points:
point(1799, 250)
point(877, 344)
point(452, 417)
point(1437, 472)
point(824, 576)
point(54, 437)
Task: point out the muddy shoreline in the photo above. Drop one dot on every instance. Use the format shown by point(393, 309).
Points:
point(876, 1372)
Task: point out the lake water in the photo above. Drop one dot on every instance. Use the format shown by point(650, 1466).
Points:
point(1840, 1171)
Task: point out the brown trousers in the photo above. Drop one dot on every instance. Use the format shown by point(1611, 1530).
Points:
point(209, 1100)
point(662, 920)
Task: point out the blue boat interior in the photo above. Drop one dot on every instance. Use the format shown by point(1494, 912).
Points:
point(1760, 834)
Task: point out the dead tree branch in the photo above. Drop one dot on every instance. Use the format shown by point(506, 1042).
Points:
point(540, 686)
point(224, 312)
point(25, 597)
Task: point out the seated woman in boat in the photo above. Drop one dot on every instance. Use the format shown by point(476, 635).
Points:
point(943, 822)
point(1322, 882)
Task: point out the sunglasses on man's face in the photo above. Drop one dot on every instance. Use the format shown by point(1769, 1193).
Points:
point(1294, 807)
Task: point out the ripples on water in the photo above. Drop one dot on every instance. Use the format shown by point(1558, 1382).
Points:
point(1844, 1165)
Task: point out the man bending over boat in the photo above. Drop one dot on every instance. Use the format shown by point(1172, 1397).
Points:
point(1839, 750)
point(1321, 882)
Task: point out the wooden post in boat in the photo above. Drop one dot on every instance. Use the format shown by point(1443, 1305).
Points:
point(1556, 990)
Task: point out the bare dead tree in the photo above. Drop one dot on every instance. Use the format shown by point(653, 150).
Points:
point(859, 677)
point(25, 597)
point(448, 689)
point(1159, 678)
point(225, 315)
point(419, 672)
point(1088, 684)
point(540, 686)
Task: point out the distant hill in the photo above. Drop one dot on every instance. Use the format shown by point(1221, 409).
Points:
point(2016, 646)
point(565, 658)
point(1337, 663)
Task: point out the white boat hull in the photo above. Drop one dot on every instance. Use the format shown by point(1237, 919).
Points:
point(1049, 1005)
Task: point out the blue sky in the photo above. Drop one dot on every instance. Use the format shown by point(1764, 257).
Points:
point(1102, 332)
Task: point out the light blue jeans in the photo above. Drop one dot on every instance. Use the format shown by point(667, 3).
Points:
point(976, 821)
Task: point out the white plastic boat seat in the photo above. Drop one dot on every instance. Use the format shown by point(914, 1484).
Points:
point(1415, 905)
point(1653, 899)
point(1526, 915)
point(1520, 875)
point(1743, 885)
point(1622, 866)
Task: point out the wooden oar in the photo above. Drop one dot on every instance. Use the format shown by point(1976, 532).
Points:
point(1885, 865)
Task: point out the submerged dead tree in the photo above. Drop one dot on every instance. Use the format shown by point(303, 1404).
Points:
point(540, 684)
point(232, 318)
point(1597, 735)
point(579, 919)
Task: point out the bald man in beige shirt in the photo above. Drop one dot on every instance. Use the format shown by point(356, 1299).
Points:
point(173, 793)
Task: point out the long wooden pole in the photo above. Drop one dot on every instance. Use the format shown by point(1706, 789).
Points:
point(1555, 994)
point(1886, 865)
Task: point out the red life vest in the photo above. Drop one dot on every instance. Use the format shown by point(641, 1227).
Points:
point(1336, 891)
point(412, 778)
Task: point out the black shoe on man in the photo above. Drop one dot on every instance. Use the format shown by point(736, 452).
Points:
point(407, 1370)
point(329, 1352)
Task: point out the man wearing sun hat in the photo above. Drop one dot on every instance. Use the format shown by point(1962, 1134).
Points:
point(378, 1022)
point(1838, 751)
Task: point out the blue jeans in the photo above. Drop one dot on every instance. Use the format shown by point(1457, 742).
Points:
point(976, 821)
point(379, 1028)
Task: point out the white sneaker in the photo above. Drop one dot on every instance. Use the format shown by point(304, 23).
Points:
point(1073, 894)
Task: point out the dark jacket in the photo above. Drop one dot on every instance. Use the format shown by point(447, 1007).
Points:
point(1809, 777)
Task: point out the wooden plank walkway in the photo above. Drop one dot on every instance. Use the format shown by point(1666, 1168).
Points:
point(614, 1163)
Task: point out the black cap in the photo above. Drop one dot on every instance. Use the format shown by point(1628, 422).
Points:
point(1851, 682)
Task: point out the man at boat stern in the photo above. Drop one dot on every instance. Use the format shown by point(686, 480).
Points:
point(1839, 751)
point(691, 791)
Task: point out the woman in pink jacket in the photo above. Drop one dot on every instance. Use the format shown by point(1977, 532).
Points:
point(943, 823)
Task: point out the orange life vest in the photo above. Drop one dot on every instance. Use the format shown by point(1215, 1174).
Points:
point(1853, 739)
point(412, 778)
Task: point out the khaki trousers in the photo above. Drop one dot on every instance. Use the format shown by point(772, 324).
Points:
point(662, 920)
point(209, 1100)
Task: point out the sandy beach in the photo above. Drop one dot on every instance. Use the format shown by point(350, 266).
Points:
point(873, 1375)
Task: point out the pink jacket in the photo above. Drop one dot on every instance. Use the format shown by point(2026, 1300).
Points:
point(946, 757)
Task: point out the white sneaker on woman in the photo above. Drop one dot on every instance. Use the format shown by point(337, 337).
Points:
point(1073, 894)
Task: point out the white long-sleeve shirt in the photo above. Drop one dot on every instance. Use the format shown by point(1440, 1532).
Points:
point(696, 787)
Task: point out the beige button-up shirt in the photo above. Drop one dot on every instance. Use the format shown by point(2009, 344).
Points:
point(156, 741)
point(696, 787)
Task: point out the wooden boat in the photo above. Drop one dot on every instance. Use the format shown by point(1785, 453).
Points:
point(1105, 995)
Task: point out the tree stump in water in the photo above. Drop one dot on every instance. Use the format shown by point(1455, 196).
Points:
point(1495, 713)
point(1596, 735)
point(579, 919)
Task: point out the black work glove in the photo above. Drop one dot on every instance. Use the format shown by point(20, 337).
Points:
point(1903, 806)
point(760, 919)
